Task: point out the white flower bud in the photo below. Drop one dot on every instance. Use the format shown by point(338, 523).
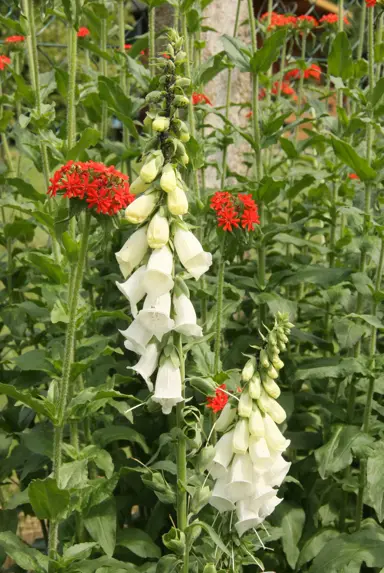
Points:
point(271, 387)
point(240, 437)
point(272, 373)
point(227, 415)
point(275, 439)
point(138, 186)
point(151, 168)
point(264, 359)
point(256, 423)
point(245, 405)
point(158, 232)
point(160, 123)
point(249, 369)
point(141, 208)
point(271, 407)
point(254, 387)
point(168, 181)
point(177, 202)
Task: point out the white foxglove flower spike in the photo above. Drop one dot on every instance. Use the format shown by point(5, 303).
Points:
point(191, 253)
point(147, 364)
point(247, 518)
point(256, 423)
point(132, 252)
point(275, 439)
point(245, 405)
point(241, 437)
point(219, 498)
point(158, 278)
point(223, 456)
point(155, 315)
point(241, 478)
point(133, 288)
point(137, 337)
point(158, 232)
point(185, 317)
point(177, 202)
point(168, 387)
point(140, 209)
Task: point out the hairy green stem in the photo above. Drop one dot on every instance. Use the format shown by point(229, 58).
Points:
point(123, 72)
point(219, 309)
point(65, 384)
point(103, 72)
point(301, 82)
point(181, 457)
point(361, 42)
point(282, 68)
point(228, 99)
point(176, 16)
point(339, 93)
point(71, 97)
point(152, 41)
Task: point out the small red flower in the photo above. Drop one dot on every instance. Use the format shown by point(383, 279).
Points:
point(247, 200)
point(249, 114)
point(166, 56)
point(292, 74)
point(82, 32)
point(220, 200)
point(285, 89)
point(250, 218)
point(220, 399)
point(200, 98)
point(306, 21)
point(127, 46)
point(228, 218)
point(103, 188)
point(4, 61)
point(332, 19)
point(314, 71)
point(262, 94)
point(232, 209)
point(279, 20)
point(14, 39)
point(353, 176)
point(370, 3)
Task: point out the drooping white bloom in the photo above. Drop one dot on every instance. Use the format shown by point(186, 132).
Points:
point(223, 456)
point(271, 387)
point(168, 387)
point(132, 252)
point(185, 316)
point(254, 387)
point(249, 369)
point(275, 439)
point(271, 407)
point(177, 202)
point(227, 415)
point(256, 423)
point(245, 405)
point(158, 278)
point(133, 288)
point(240, 483)
point(151, 168)
point(191, 253)
point(158, 232)
point(147, 364)
point(140, 209)
point(155, 315)
point(258, 450)
point(241, 437)
point(138, 186)
point(269, 506)
point(137, 337)
point(219, 498)
point(279, 469)
point(247, 518)
point(168, 180)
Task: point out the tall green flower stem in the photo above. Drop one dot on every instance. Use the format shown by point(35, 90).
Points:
point(71, 97)
point(258, 163)
point(33, 61)
point(371, 388)
point(339, 93)
point(228, 98)
point(300, 93)
point(65, 387)
point(282, 67)
point(181, 459)
point(368, 191)
point(152, 40)
point(123, 72)
point(103, 71)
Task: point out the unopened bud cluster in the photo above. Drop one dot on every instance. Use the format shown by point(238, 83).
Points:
point(248, 464)
point(160, 203)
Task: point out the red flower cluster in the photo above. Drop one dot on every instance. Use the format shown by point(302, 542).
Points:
point(4, 61)
point(370, 3)
point(129, 46)
point(220, 399)
point(82, 32)
point(314, 71)
point(306, 21)
point(353, 176)
point(279, 20)
point(285, 89)
point(166, 56)
point(104, 188)
point(14, 39)
point(200, 98)
point(332, 19)
point(228, 210)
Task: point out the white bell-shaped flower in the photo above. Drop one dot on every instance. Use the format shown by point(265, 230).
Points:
point(158, 231)
point(158, 278)
point(262, 491)
point(269, 506)
point(258, 450)
point(256, 423)
point(147, 364)
point(138, 186)
point(241, 478)
point(275, 439)
point(279, 469)
point(168, 180)
point(271, 407)
point(191, 253)
point(219, 498)
point(141, 208)
point(223, 456)
point(227, 415)
point(177, 201)
point(136, 337)
point(168, 386)
point(132, 252)
point(245, 405)
point(155, 315)
point(185, 316)
point(247, 518)
point(241, 437)
point(133, 289)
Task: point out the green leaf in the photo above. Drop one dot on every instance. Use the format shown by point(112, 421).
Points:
point(378, 92)
point(347, 332)
point(25, 189)
point(318, 275)
point(47, 500)
point(74, 475)
point(263, 58)
point(315, 544)
point(100, 523)
point(269, 190)
point(33, 360)
point(26, 398)
point(21, 230)
point(336, 454)
point(89, 138)
point(288, 147)
point(110, 434)
point(375, 472)
point(238, 52)
point(139, 543)
point(369, 319)
point(210, 68)
point(48, 267)
point(12, 24)
point(291, 519)
point(299, 185)
point(334, 367)
point(212, 534)
point(340, 62)
point(23, 555)
point(71, 247)
point(78, 551)
point(350, 157)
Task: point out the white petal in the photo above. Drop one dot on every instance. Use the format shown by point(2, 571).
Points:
point(137, 337)
point(133, 289)
point(168, 387)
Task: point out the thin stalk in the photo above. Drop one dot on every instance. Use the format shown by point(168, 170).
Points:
point(228, 98)
point(18, 71)
point(219, 309)
point(332, 242)
point(4, 141)
point(269, 75)
point(71, 97)
point(176, 15)
point(282, 68)
point(181, 458)
point(65, 384)
point(301, 81)
point(103, 71)
point(339, 93)
point(361, 42)
point(33, 61)
point(371, 388)
point(379, 40)
point(152, 41)
point(123, 71)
